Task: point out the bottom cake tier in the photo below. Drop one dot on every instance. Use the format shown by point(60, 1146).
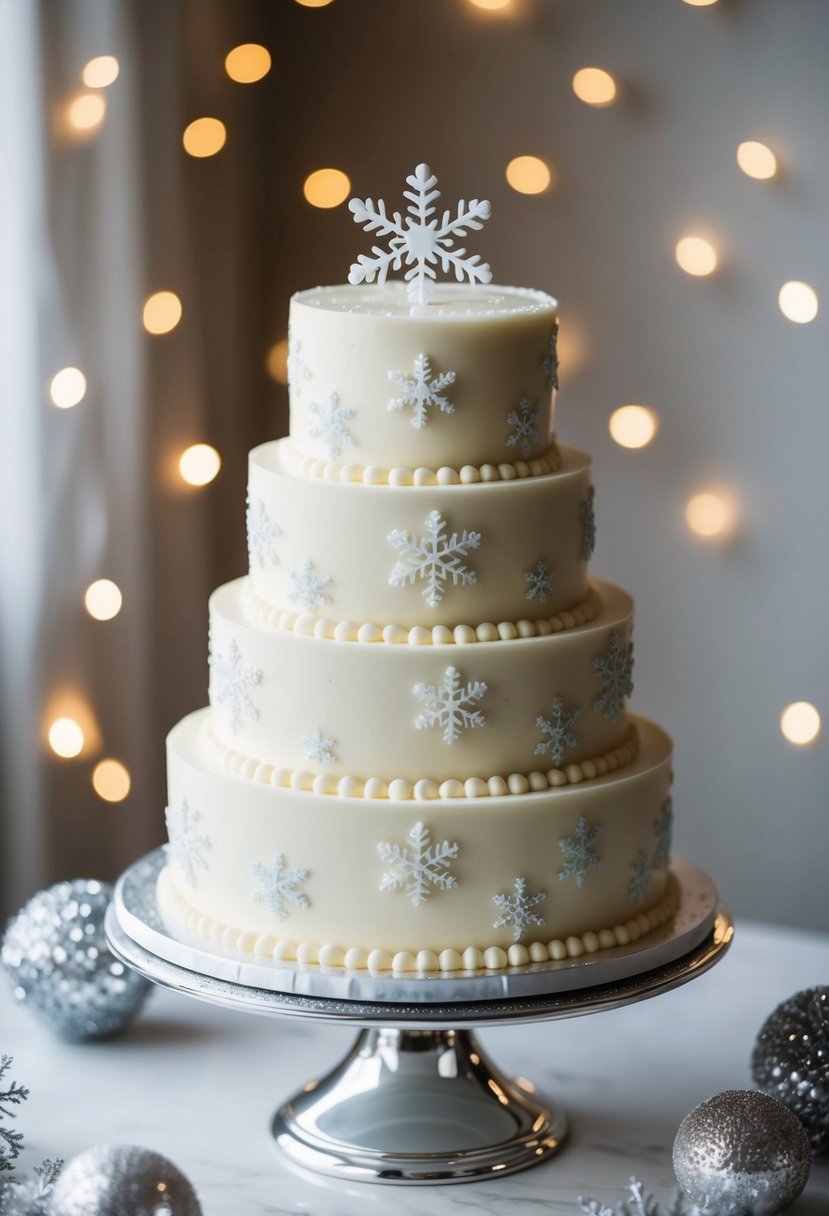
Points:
point(442, 884)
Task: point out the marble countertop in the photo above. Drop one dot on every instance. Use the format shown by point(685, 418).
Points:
point(200, 1084)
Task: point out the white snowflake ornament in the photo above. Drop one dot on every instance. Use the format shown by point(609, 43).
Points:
point(615, 671)
point(422, 391)
point(579, 852)
point(517, 909)
point(663, 830)
point(435, 558)
point(279, 887)
point(231, 679)
point(329, 425)
point(641, 873)
point(450, 705)
point(320, 747)
point(187, 843)
point(262, 535)
point(524, 421)
point(298, 369)
point(549, 361)
point(540, 579)
point(308, 587)
point(418, 867)
point(420, 242)
point(558, 731)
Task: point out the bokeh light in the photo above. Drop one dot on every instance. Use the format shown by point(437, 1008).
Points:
point(700, 3)
point(529, 174)
point(67, 387)
point(594, 86)
point(103, 599)
point(711, 515)
point(798, 302)
point(66, 738)
point(633, 426)
point(696, 256)
point(315, 3)
point(100, 72)
point(85, 113)
point(276, 361)
point(162, 312)
point(491, 5)
point(756, 160)
point(199, 464)
point(111, 780)
point(248, 63)
point(204, 137)
point(326, 187)
point(800, 723)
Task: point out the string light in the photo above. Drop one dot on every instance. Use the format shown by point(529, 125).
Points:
point(798, 302)
point(85, 113)
point(529, 175)
point(756, 160)
point(248, 63)
point(111, 780)
point(276, 361)
point(633, 426)
point(100, 72)
point(800, 723)
point(204, 137)
point(67, 388)
point(103, 599)
point(326, 187)
point(594, 86)
point(696, 256)
point(66, 738)
point(199, 464)
point(711, 515)
point(162, 312)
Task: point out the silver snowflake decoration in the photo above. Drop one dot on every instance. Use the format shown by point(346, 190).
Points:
point(187, 843)
point(418, 867)
point(421, 241)
point(525, 422)
point(640, 877)
point(663, 830)
point(557, 728)
point(279, 887)
point(550, 361)
point(231, 680)
point(262, 534)
point(639, 1203)
point(298, 369)
point(449, 705)
point(307, 587)
point(588, 525)
point(540, 579)
point(329, 427)
point(615, 672)
point(320, 747)
point(517, 909)
point(578, 852)
point(435, 558)
point(422, 391)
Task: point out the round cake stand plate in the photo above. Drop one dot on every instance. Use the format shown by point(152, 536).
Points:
point(417, 1100)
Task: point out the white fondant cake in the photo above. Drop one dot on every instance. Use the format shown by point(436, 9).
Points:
point(417, 752)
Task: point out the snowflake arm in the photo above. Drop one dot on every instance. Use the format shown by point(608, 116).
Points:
point(278, 886)
point(663, 830)
point(298, 369)
point(615, 672)
point(307, 587)
point(640, 877)
point(588, 525)
point(418, 867)
point(320, 747)
point(231, 680)
point(187, 843)
point(329, 427)
point(557, 728)
point(525, 423)
point(517, 909)
point(549, 362)
point(449, 705)
point(540, 579)
point(579, 853)
point(262, 535)
point(422, 391)
point(435, 558)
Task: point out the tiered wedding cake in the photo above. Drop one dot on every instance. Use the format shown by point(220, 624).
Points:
point(417, 754)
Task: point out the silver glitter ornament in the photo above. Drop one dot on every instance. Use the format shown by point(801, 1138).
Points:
point(790, 1061)
point(57, 956)
point(742, 1153)
point(123, 1180)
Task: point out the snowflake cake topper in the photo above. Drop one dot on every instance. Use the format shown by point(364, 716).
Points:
point(421, 241)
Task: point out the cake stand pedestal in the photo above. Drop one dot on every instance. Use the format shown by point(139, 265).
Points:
point(417, 1100)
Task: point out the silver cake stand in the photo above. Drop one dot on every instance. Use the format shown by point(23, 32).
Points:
point(416, 1100)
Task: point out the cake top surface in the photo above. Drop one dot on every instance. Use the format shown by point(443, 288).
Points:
point(449, 301)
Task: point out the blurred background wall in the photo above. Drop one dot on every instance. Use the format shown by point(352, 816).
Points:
point(102, 207)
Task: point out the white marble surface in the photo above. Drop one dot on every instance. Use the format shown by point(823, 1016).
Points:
point(200, 1084)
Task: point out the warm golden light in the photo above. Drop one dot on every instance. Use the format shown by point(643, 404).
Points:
point(66, 738)
point(111, 780)
point(67, 388)
point(710, 514)
point(756, 160)
point(633, 426)
point(696, 256)
point(800, 723)
point(573, 349)
point(204, 137)
point(248, 63)
point(103, 599)
point(315, 3)
point(86, 112)
point(594, 86)
point(276, 361)
point(529, 175)
point(491, 5)
point(199, 464)
point(100, 72)
point(700, 3)
point(326, 188)
point(798, 302)
point(162, 312)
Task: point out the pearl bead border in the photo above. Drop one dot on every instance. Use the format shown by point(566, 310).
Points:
point(318, 468)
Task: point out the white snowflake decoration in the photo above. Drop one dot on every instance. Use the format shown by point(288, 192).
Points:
point(550, 360)
point(640, 877)
point(320, 747)
point(329, 427)
point(517, 909)
point(418, 867)
point(279, 887)
point(639, 1203)
point(262, 535)
point(540, 579)
point(578, 852)
point(231, 680)
point(557, 728)
point(525, 422)
point(588, 525)
point(307, 587)
point(663, 830)
point(422, 391)
point(435, 558)
point(187, 843)
point(298, 369)
point(448, 706)
point(615, 671)
point(420, 241)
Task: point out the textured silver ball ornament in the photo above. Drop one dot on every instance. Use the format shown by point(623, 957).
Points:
point(61, 967)
point(742, 1153)
point(123, 1180)
point(790, 1060)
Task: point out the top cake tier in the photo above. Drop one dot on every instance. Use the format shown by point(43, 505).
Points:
point(466, 379)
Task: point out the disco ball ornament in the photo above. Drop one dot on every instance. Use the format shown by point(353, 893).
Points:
point(123, 1180)
point(742, 1153)
point(790, 1060)
point(57, 956)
